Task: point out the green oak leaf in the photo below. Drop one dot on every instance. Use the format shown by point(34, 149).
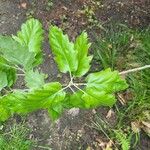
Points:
point(82, 46)
point(99, 90)
point(13, 52)
point(63, 50)
point(93, 98)
point(31, 36)
point(101, 87)
point(107, 80)
point(47, 97)
point(34, 79)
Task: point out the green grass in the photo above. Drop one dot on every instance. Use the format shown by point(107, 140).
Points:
point(112, 43)
point(15, 138)
point(140, 82)
point(133, 46)
point(121, 140)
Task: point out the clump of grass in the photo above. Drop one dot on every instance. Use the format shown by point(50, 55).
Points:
point(123, 139)
point(15, 138)
point(134, 48)
point(136, 114)
point(108, 46)
point(118, 137)
point(140, 82)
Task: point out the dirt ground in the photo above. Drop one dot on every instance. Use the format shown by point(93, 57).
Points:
point(71, 131)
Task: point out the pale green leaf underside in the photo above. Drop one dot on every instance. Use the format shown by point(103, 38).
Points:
point(31, 36)
point(34, 79)
point(46, 97)
point(15, 53)
point(63, 50)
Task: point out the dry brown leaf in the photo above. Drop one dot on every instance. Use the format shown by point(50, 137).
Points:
point(23, 5)
point(135, 126)
point(121, 99)
point(146, 127)
point(109, 145)
point(109, 114)
point(147, 124)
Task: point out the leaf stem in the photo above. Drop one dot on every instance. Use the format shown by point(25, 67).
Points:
point(20, 69)
point(20, 74)
point(72, 89)
point(78, 88)
point(24, 90)
point(6, 90)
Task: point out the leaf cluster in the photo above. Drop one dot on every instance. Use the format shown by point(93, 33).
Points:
point(22, 53)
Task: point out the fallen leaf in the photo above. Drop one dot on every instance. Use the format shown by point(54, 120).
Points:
point(135, 126)
point(109, 114)
point(146, 127)
point(109, 145)
point(23, 5)
point(121, 99)
point(147, 124)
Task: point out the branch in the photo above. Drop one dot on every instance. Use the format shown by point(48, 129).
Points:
point(134, 70)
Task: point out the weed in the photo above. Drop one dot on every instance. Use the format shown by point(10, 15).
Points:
point(123, 139)
point(15, 138)
point(117, 136)
point(89, 12)
point(135, 115)
point(139, 83)
point(111, 46)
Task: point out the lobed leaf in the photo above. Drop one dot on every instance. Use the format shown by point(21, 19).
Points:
point(63, 49)
point(101, 87)
point(47, 97)
point(107, 80)
point(13, 52)
point(31, 36)
point(82, 46)
point(25, 50)
point(99, 91)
